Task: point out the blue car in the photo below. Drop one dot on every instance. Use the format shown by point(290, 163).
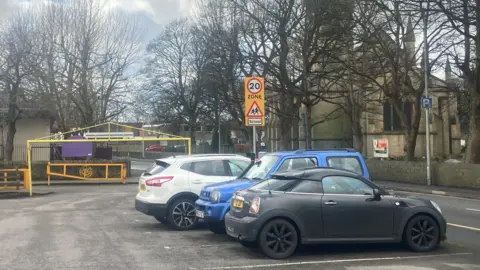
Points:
point(215, 199)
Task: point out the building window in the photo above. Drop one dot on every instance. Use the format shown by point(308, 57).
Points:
point(209, 128)
point(391, 119)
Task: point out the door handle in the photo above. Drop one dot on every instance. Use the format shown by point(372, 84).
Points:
point(330, 203)
point(196, 181)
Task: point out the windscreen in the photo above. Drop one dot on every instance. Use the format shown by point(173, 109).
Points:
point(261, 168)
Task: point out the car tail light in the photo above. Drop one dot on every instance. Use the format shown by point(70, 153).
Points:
point(255, 206)
point(158, 181)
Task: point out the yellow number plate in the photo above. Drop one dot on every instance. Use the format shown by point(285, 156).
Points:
point(142, 187)
point(237, 203)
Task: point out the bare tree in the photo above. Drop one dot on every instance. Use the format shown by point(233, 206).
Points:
point(391, 57)
point(464, 17)
point(16, 41)
point(82, 55)
point(176, 72)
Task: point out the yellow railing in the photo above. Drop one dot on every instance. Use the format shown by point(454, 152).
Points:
point(86, 171)
point(12, 180)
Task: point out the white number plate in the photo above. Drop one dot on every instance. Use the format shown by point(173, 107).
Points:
point(199, 214)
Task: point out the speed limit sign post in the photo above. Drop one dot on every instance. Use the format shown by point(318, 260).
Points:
point(254, 102)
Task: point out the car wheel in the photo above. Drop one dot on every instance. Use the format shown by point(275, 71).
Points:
point(422, 234)
point(181, 215)
point(216, 227)
point(278, 239)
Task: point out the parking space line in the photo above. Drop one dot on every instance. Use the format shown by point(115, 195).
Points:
point(436, 195)
point(472, 209)
point(336, 261)
point(464, 227)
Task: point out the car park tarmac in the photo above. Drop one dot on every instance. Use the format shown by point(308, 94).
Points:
point(97, 227)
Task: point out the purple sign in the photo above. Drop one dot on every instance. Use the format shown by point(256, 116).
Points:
point(80, 149)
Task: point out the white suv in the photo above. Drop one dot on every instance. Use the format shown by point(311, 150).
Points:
point(168, 191)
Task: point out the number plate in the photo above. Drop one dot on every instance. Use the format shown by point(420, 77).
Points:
point(142, 187)
point(199, 214)
point(238, 203)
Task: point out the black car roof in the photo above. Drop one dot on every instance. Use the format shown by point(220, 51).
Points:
point(315, 173)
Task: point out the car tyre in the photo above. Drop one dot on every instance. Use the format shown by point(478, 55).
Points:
point(278, 239)
point(181, 215)
point(217, 227)
point(422, 234)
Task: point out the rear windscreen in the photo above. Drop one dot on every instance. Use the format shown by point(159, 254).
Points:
point(158, 167)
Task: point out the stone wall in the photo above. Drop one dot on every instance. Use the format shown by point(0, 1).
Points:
point(443, 174)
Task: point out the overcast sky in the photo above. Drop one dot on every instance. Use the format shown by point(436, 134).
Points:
point(151, 13)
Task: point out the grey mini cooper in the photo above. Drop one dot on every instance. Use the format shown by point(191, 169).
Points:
point(325, 205)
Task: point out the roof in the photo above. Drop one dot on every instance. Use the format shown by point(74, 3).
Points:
point(202, 156)
point(315, 151)
point(315, 173)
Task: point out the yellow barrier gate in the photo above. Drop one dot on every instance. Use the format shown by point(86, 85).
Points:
point(142, 136)
point(86, 171)
point(12, 180)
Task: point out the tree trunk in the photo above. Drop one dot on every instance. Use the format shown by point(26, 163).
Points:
point(12, 117)
point(410, 142)
point(11, 130)
point(295, 133)
point(411, 133)
point(472, 154)
point(285, 123)
point(192, 125)
point(357, 135)
point(308, 126)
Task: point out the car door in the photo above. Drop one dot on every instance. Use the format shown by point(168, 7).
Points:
point(307, 197)
point(349, 210)
point(207, 172)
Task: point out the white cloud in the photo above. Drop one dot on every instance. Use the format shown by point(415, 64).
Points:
point(5, 7)
point(162, 11)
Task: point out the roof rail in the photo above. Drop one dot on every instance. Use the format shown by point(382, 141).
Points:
point(326, 149)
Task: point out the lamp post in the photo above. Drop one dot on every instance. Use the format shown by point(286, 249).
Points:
point(425, 5)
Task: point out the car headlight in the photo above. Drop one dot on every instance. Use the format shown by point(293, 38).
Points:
point(215, 196)
point(436, 206)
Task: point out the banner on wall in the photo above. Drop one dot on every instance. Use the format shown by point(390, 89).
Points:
point(380, 148)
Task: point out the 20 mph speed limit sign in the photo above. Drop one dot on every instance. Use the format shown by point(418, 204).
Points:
point(254, 101)
point(255, 86)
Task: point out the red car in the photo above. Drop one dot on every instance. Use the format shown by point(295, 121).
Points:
point(156, 148)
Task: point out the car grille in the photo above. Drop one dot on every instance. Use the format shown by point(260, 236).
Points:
point(205, 195)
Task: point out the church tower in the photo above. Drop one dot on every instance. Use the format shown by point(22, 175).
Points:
point(410, 42)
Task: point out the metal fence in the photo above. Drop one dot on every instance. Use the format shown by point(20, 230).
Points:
point(44, 152)
point(39, 153)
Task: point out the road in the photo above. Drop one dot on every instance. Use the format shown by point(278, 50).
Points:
point(96, 227)
point(463, 217)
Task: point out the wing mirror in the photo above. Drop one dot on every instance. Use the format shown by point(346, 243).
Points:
point(377, 195)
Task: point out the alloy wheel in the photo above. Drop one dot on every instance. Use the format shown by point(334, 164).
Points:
point(184, 215)
point(279, 239)
point(424, 234)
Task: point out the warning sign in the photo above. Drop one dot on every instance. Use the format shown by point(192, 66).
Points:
point(254, 111)
point(254, 101)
